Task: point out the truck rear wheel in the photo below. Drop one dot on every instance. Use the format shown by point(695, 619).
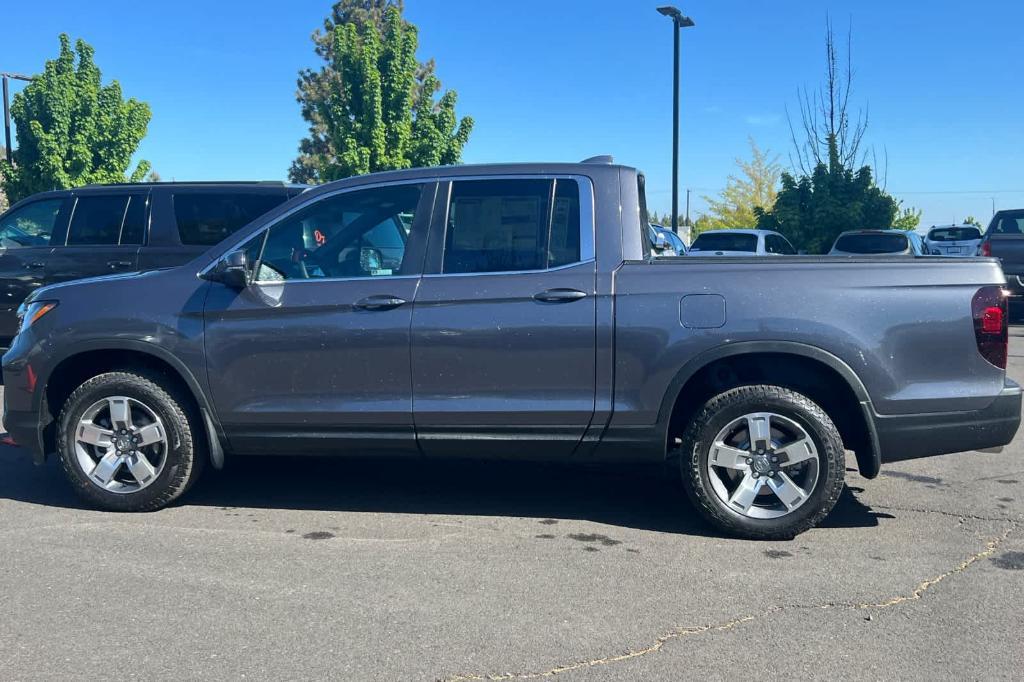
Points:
point(126, 443)
point(763, 462)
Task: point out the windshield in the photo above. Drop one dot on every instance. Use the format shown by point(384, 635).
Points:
point(872, 243)
point(724, 241)
point(954, 234)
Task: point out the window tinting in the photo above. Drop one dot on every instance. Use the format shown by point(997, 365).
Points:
point(725, 241)
point(206, 218)
point(97, 220)
point(30, 225)
point(954, 234)
point(1010, 223)
point(778, 245)
point(872, 243)
point(134, 229)
point(510, 225)
point(357, 234)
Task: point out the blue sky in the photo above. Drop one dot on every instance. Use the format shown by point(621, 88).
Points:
point(567, 79)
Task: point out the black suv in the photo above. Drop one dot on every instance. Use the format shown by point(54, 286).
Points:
point(103, 229)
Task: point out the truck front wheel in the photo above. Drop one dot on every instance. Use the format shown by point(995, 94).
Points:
point(126, 442)
point(763, 462)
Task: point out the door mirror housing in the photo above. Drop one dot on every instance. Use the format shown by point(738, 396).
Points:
point(232, 270)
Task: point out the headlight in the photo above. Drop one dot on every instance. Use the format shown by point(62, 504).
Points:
point(30, 313)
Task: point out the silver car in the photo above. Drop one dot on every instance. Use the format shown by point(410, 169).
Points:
point(953, 240)
point(741, 243)
point(878, 243)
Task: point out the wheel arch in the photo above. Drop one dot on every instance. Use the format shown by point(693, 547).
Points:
point(95, 357)
point(817, 373)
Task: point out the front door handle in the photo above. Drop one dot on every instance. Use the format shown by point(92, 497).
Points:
point(114, 264)
point(560, 295)
point(379, 303)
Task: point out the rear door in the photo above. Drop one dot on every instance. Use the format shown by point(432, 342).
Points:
point(26, 232)
point(503, 328)
point(103, 237)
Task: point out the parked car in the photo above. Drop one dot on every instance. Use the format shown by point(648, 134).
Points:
point(1004, 239)
point(878, 243)
point(741, 243)
point(96, 230)
point(952, 240)
point(522, 317)
point(669, 243)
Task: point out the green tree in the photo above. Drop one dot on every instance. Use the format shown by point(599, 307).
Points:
point(373, 106)
point(755, 188)
point(73, 130)
point(908, 219)
point(971, 220)
point(812, 210)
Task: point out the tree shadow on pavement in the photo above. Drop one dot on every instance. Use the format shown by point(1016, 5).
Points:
point(636, 497)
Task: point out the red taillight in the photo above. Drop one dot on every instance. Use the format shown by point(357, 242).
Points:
point(989, 309)
point(986, 249)
point(992, 320)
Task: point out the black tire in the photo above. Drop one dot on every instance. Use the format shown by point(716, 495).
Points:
point(716, 414)
point(183, 460)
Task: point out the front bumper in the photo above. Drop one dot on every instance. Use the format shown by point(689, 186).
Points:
point(21, 402)
point(925, 435)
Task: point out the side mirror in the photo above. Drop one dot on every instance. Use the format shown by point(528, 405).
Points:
point(232, 270)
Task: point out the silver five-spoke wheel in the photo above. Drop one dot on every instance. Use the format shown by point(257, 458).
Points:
point(120, 444)
point(763, 465)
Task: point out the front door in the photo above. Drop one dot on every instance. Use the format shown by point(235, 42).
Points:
point(503, 347)
point(313, 356)
point(104, 237)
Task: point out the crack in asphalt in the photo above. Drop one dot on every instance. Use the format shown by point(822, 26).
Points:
point(991, 546)
point(955, 515)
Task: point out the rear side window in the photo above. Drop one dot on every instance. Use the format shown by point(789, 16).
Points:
point(778, 245)
point(108, 220)
point(872, 243)
point(97, 220)
point(30, 225)
point(205, 219)
point(724, 241)
point(512, 225)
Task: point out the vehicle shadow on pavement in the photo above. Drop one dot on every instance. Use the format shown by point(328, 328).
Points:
point(646, 498)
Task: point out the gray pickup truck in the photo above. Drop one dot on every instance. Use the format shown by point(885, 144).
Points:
point(1004, 239)
point(512, 311)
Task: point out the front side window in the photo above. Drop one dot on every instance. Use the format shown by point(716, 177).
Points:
point(97, 220)
point(206, 218)
point(358, 234)
point(30, 225)
point(512, 225)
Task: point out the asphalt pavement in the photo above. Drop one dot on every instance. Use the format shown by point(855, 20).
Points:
point(308, 569)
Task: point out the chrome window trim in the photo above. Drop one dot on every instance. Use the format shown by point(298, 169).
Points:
point(508, 272)
point(587, 236)
point(587, 222)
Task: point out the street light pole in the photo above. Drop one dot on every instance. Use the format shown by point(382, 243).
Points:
point(679, 21)
point(7, 111)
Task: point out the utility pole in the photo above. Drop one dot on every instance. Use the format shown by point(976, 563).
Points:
point(679, 22)
point(7, 110)
point(687, 221)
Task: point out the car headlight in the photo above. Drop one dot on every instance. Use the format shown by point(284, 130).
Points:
point(29, 314)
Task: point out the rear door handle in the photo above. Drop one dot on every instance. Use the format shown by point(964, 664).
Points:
point(379, 303)
point(560, 295)
point(119, 263)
